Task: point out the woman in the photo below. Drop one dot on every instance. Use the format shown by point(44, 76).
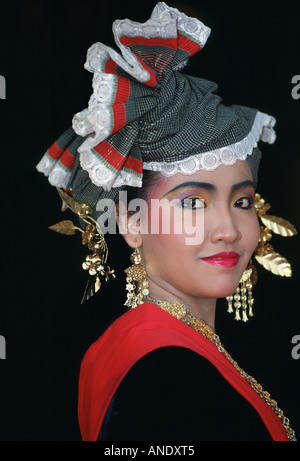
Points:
point(160, 372)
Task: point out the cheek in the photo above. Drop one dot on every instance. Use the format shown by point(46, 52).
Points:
point(163, 248)
point(251, 234)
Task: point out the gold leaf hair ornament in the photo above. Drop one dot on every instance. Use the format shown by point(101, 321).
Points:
point(264, 252)
point(95, 263)
point(265, 255)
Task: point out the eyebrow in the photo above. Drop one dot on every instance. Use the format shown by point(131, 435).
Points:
point(203, 185)
point(242, 184)
point(211, 187)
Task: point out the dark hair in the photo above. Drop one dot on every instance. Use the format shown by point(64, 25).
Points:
point(150, 178)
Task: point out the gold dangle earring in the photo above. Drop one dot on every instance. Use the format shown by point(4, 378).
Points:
point(136, 281)
point(242, 298)
point(264, 255)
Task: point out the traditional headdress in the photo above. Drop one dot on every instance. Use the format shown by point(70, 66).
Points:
point(146, 114)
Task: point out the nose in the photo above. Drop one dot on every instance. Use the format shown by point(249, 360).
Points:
point(225, 229)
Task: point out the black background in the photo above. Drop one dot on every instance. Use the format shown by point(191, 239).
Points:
point(253, 53)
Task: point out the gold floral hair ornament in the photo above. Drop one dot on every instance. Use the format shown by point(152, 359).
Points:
point(95, 263)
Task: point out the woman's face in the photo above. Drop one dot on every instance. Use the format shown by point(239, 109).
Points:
point(221, 204)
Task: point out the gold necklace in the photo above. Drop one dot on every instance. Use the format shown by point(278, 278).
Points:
point(181, 312)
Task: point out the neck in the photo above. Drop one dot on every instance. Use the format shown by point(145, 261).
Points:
point(203, 308)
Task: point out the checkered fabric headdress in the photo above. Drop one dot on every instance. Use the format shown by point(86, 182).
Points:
point(144, 113)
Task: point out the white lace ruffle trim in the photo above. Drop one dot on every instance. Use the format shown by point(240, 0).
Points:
point(102, 176)
point(262, 130)
point(57, 174)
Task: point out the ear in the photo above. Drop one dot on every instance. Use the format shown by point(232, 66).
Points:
point(129, 226)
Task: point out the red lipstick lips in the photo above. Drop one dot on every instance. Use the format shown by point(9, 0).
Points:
point(225, 259)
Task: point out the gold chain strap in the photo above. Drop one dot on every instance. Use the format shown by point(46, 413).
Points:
point(180, 311)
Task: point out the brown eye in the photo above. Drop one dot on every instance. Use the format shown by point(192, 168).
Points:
point(193, 203)
point(244, 203)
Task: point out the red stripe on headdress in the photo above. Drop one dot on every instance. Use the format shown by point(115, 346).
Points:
point(186, 44)
point(54, 151)
point(110, 155)
point(119, 117)
point(110, 66)
point(123, 90)
point(117, 160)
point(134, 164)
point(153, 41)
point(67, 159)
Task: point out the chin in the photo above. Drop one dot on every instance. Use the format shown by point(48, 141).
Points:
point(223, 290)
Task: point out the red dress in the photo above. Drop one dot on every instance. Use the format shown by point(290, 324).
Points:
point(132, 336)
